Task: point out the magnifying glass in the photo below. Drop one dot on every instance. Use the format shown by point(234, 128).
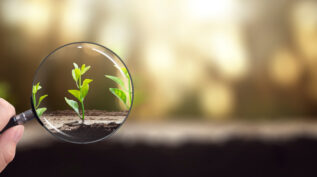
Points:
point(82, 92)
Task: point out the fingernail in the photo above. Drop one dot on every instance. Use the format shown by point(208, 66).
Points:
point(18, 134)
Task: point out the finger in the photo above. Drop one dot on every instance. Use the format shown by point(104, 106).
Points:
point(8, 142)
point(6, 112)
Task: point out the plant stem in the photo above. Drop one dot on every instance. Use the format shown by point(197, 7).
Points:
point(83, 111)
point(81, 102)
point(34, 101)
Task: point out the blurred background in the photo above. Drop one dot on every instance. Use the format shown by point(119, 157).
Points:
point(219, 85)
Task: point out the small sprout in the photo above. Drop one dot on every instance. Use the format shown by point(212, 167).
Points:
point(122, 93)
point(81, 93)
point(35, 89)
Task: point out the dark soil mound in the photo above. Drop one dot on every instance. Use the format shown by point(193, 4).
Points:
point(233, 158)
point(83, 133)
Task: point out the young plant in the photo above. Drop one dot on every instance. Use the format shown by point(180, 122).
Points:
point(122, 93)
point(35, 89)
point(82, 91)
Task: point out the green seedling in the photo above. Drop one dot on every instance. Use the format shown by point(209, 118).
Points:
point(35, 89)
point(122, 93)
point(82, 91)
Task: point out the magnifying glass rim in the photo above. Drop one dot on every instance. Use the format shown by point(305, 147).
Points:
point(85, 142)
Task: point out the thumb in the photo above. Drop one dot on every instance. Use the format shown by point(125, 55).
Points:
point(8, 142)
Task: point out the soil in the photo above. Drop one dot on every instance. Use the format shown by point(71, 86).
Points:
point(87, 113)
point(232, 158)
point(98, 124)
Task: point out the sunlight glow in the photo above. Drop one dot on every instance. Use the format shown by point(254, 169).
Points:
point(75, 19)
point(217, 100)
point(160, 58)
point(285, 69)
point(211, 9)
point(304, 18)
point(229, 53)
point(115, 35)
point(34, 15)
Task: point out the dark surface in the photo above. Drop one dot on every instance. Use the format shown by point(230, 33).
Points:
point(86, 133)
point(234, 158)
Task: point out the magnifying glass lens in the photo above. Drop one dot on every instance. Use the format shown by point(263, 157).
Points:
point(82, 92)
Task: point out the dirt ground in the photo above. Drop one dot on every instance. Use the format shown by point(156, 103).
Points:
point(173, 149)
point(98, 124)
point(235, 158)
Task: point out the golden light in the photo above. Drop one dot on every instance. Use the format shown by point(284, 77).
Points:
point(217, 100)
point(11, 12)
point(37, 17)
point(33, 15)
point(211, 9)
point(228, 53)
point(160, 65)
point(75, 19)
point(159, 58)
point(115, 35)
point(304, 18)
point(284, 68)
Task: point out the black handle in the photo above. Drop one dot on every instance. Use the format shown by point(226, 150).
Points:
point(19, 119)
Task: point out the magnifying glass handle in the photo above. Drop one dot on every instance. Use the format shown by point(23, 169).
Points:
point(19, 119)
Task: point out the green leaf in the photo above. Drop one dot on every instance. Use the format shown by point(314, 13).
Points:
point(40, 111)
point(84, 90)
point(75, 93)
point(77, 73)
point(119, 94)
point(74, 76)
point(124, 70)
point(34, 89)
point(37, 86)
point(83, 67)
point(126, 73)
point(75, 65)
point(41, 99)
point(116, 79)
point(73, 104)
point(87, 81)
point(129, 90)
point(84, 70)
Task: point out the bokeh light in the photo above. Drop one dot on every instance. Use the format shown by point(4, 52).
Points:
point(215, 59)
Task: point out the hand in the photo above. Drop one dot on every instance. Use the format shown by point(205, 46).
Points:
point(9, 138)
